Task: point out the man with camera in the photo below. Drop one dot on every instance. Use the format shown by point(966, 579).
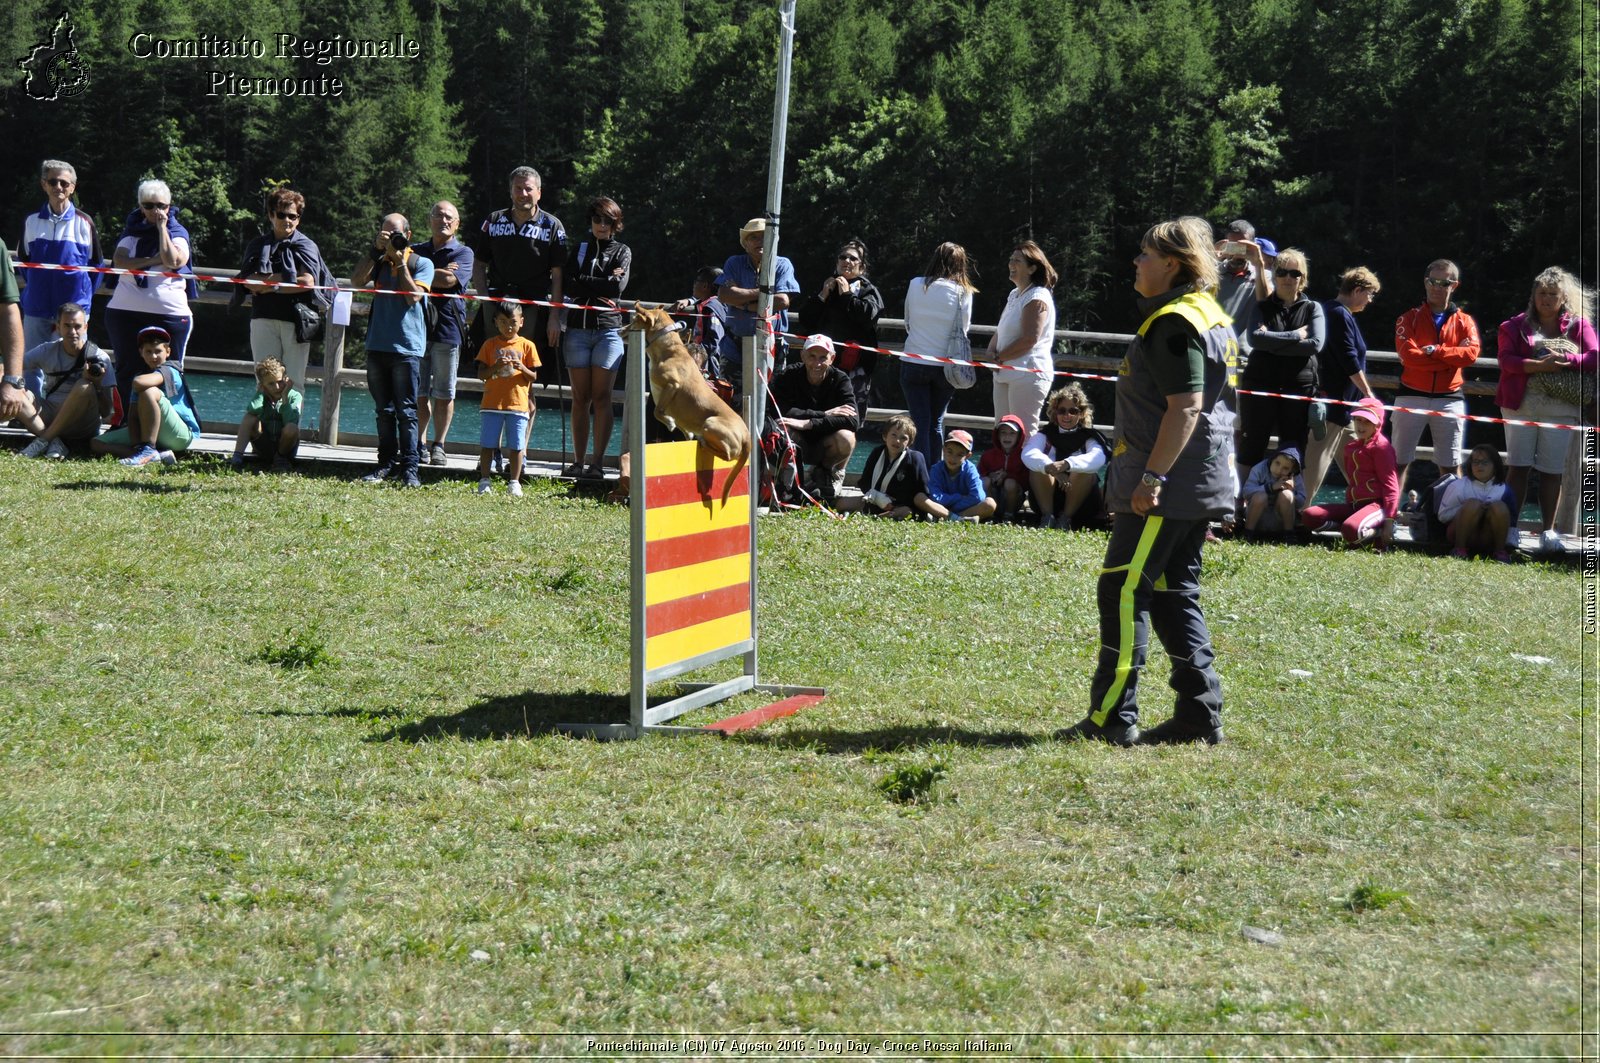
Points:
point(1243, 268)
point(397, 338)
point(77, 387)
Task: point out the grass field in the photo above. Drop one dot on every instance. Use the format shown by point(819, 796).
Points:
point(278, 781)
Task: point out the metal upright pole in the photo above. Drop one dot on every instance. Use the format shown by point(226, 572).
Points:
point(759, 354)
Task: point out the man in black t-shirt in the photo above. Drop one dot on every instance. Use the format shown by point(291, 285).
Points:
point(520, 253)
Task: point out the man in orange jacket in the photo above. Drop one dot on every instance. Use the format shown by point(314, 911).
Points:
point(1435, 341)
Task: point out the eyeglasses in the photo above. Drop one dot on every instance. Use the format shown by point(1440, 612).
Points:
point(849, 258)
point(58, 182)
point(1296, 274)
point(602, 219)
point(1068, 409)
point(1439, 282)
point(155, 206)
point(286, 216)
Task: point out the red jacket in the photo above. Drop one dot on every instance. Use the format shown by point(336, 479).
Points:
point(1370, 470)
point(1456, 346)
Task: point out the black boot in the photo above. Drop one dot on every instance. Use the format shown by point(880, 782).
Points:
point(1111, 733)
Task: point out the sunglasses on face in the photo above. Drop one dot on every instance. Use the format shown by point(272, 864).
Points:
point(155, 206)
point(1296, 274)
point(286, 216)
point(1438, 282)
point(601, 219)
point(58, 182)
point(849, 258)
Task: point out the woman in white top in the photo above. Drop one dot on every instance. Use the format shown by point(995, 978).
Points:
point(1023, 340)
point(152, 240)
point(938, 304)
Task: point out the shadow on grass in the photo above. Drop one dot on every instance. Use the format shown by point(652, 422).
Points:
point(515, 716)
point(889, 739)
point(149, 487)
point(343, 713)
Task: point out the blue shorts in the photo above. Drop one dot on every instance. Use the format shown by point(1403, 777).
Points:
point(599, 348)
point(512, 425)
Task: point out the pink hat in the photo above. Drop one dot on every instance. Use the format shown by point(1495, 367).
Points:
point(960, 436)
point(1369, 409)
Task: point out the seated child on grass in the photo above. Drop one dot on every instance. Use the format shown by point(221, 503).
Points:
point(955, 490)
point(271, 423)
point(1274, 494)
point(1477, 508)
point(1005, 478)
point(506, 365)
point(1373, 492)
point(1064, 458)
point(77, 389)
point(894, 483)
point(161, 420)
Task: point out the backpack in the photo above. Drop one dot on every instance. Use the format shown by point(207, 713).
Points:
point(1431, 530)
point(780, 466)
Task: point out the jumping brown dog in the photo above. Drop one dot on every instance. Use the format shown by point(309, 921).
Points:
point(683, 398)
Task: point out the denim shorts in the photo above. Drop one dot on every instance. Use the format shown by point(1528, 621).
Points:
point(437, 377)
point(599, 348)
point(495, 425)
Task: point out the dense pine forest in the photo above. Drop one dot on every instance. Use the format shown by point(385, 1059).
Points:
point(1383, 132)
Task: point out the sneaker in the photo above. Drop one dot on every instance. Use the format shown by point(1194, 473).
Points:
point(1502, 557)
point(37, 448)
point(1550, 542)
point(595, 472)
point(410, 479)
point(497, 463)
point(167, 457)
point(572, 472)
point(1086, 730)
point(378, 475)
point(485, 486)
point(1460, 551)
point(282, 464)
point(236, 463)
point(141, 457)
point(56, 450)
point(436, 455)
point(515, 488)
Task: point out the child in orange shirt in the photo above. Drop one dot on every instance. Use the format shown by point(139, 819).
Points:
point(506, 365)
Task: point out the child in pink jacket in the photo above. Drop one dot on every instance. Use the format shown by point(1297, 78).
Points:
point(1373, 494)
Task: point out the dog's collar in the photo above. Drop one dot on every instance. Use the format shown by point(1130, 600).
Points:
point(652, 337)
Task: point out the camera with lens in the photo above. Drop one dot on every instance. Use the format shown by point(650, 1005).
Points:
point(879, 499)
point(398, 241)
point(95, 367)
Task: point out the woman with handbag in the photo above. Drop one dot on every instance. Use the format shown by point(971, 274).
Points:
point(1548, 358)
point(1022, 342)
point(938, 314)
point(283, 322)
point(153, 241)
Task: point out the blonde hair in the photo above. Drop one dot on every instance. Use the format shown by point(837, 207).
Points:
point(1359, 277)
point(1072, 393)
point(1575, 298)
point(1294, 258)
point(270, 369)
point(1187, 239)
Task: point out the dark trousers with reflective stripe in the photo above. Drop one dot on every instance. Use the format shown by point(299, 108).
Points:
point(1151, 579)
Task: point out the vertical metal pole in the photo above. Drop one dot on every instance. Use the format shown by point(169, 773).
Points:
point(758, 355)
point(637, 383)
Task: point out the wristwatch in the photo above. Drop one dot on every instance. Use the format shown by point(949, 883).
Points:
point(14, 381)
point(1152, 480)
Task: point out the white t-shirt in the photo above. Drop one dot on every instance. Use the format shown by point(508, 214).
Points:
point(160, 295)
point(1010, 327)
point(931, 316)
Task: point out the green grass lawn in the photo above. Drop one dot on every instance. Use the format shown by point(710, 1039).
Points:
point(276, 760)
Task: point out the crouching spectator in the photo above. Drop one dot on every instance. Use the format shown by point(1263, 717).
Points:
point(1064, 458)
point(75, 395)
point(894, 483)
point(1005, 478)
point(1476, 508)
point(271, 423)
point(955, 490)
point(818, 406)
point(161, 421)
point(1373, 492)
point(1274, 494)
